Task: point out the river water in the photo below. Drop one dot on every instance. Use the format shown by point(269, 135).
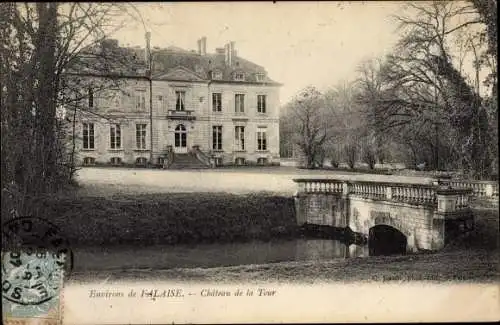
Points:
point(212, 255)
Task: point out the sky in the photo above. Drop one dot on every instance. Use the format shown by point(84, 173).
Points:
point(299, 43)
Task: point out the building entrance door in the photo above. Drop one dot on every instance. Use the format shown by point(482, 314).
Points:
point(180, 139)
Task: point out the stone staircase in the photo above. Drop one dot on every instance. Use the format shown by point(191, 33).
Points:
point(186, 161)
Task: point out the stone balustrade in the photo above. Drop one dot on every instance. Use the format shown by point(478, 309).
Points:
point(398, 192)
point(369, 190)
point(452, 200)
point(423, 213)
point(319, 186)
point(481, 189)
point(421, 193)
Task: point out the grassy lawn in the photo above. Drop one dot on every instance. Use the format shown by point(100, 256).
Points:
point(278, 180)
point(172, 218)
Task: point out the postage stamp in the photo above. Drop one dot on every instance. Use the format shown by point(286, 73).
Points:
point(34, 260)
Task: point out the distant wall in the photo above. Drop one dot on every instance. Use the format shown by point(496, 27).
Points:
point(289, 162)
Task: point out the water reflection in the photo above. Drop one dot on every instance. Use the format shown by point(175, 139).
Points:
point(321, 249)
point(213, 255)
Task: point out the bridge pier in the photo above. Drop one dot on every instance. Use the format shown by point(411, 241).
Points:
point(423, 213)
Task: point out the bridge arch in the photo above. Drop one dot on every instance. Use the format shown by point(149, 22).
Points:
point(394, 221)
point(386, 240)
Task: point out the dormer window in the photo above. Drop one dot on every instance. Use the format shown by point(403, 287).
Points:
point(239, 76)
point(260, 76)
point(216, 75)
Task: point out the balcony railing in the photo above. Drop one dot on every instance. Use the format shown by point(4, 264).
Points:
point(180, 115)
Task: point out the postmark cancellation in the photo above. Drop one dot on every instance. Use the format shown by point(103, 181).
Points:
point(31, 287)
point(32, 276)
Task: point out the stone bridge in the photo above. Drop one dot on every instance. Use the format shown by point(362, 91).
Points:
point(422, 216)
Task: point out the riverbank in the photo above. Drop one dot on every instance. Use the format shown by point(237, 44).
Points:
point(464, 265)
point(150, 220)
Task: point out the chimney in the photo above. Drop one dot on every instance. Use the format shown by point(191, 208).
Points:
point(199, 46)
point(203, 45)
point(233, 51)
point(147, 52)
point(227, 54)
point(230, 53)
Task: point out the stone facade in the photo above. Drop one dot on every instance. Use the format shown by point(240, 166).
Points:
point(111, 108)
point(192, 104)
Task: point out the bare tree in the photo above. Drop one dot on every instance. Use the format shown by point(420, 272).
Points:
point(348, 125)
point(351, 153)
point(308, 112)
point(42, 44)
point(425, 94)
point(369, 86)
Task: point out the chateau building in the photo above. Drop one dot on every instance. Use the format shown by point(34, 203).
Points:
point(216, 107)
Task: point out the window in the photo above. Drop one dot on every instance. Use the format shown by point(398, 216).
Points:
point(180, 100)
point(218, 161)
point(88, 136)
point(217, 102)
point(91, 97)
point(141, 161)
point(217, 137)
point(239, 76)
point(140, 100)
point(261, 103)
point(261, 139)
point(240, 161)
point(180, 136)
point(89, 161)
point(239, 137)
point(260, 76)
point(115, 136)
point(262, 161)
point(239, 103)
point(116, 161)
point(140, 136)
point(217, 75)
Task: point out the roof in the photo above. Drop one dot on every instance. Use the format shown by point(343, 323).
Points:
point(167, 60)
point(172, 63)
point(109, 59)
